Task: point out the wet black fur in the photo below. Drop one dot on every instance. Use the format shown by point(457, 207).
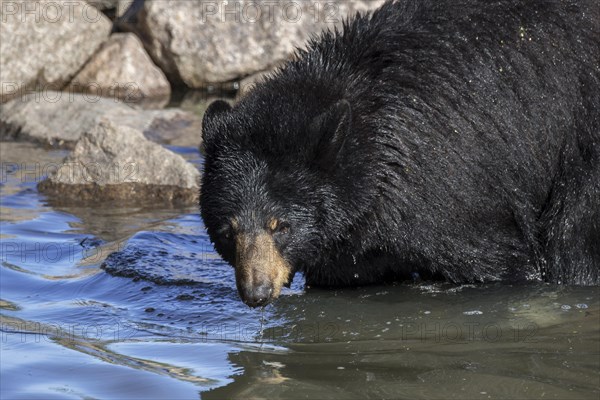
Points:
point(456, 139)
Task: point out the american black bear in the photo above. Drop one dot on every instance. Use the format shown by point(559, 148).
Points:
point(451, 139)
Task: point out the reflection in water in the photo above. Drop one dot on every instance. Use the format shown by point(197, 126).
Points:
point(396, 350)
point(73, 340)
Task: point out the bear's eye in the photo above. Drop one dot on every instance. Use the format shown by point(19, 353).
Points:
point(228, 229)
point(278, 226)
point(225, 231)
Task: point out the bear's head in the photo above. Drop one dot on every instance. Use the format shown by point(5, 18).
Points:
point(270, 195)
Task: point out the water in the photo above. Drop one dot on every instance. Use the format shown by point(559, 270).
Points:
point(120, 302)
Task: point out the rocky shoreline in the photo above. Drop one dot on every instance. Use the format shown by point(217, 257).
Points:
point(94, 77)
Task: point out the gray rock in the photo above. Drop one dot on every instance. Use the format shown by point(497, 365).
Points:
point(44, 43)
point(60, 119)
point(202, 42)
point(117, 163)
point(122, 69)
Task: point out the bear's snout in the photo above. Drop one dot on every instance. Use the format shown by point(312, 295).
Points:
point(260, 269)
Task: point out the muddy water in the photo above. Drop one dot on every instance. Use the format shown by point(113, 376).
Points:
point(121, 303)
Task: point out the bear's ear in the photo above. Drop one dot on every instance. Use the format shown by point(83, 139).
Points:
point(331, 128)
point(213, 114)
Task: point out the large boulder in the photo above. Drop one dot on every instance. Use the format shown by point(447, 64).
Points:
point(60, 119)
point(44, 43)
point(117, 163)
point(121, 69)
point(197, 43)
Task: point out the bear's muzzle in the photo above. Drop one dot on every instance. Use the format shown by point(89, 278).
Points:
point(260, 270)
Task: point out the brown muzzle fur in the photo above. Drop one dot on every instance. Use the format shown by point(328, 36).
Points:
point(261, 271)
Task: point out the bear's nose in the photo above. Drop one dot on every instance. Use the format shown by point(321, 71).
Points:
point(256, 295)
